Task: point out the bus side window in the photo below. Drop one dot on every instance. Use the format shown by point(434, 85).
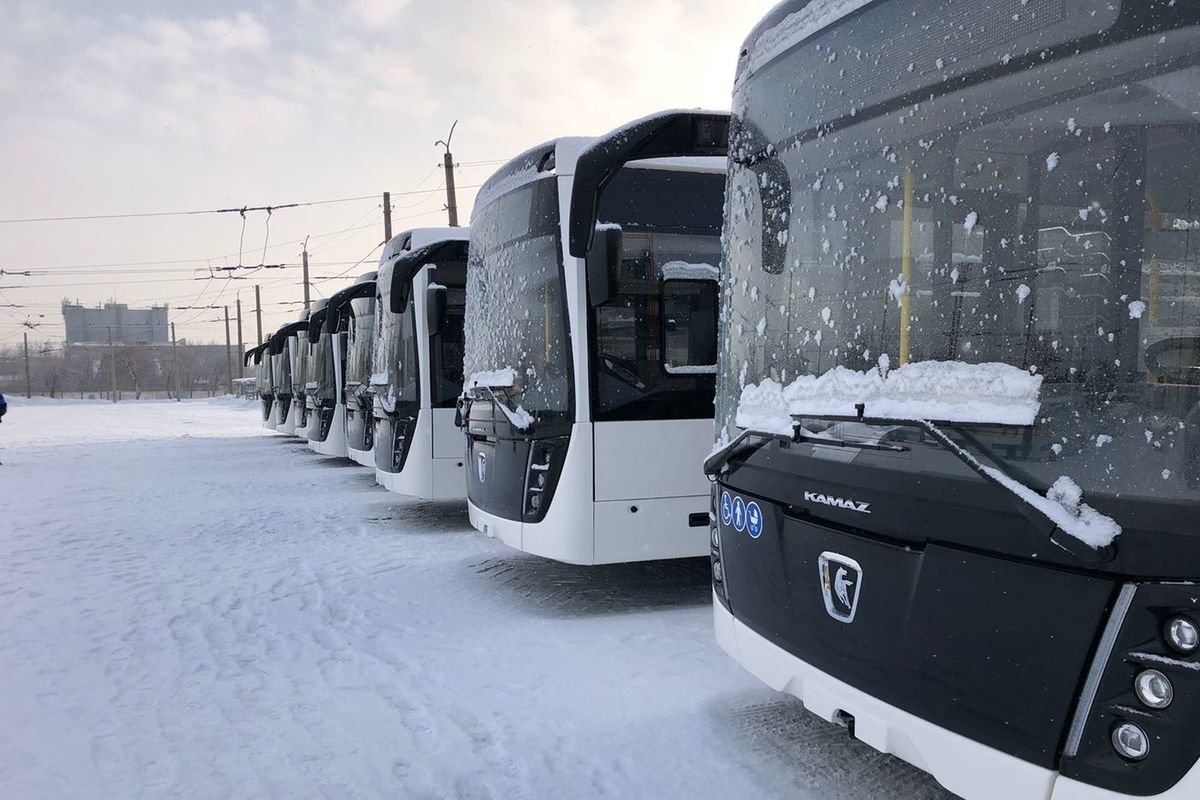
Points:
point(689, 326)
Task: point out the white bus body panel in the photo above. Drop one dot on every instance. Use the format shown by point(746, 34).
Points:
point(1186, 789)
point(364, 458)
point(653, 458)
point(288, 425)
point(272, 421)
point(965, 767)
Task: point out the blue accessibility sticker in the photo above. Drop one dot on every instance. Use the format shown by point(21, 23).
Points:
point(754, 520)
point(739, 514)
point(726, 508)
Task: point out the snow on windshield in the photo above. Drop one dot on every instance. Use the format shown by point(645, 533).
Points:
point(949, 391)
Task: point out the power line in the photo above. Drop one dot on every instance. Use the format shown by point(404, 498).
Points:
point(242, 210)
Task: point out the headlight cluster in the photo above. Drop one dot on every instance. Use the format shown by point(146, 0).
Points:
point(540, 476)
point(718, 570)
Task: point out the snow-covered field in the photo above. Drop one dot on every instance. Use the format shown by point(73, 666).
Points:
point(191, 607)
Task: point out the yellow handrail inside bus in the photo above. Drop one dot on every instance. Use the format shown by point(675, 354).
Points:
point(906, 263)
point(1155, 270)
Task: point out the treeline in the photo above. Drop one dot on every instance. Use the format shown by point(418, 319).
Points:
point(58, 370)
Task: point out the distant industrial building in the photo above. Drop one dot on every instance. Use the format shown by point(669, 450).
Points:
point(124, 324)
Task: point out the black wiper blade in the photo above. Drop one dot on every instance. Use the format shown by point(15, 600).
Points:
point(997, 475)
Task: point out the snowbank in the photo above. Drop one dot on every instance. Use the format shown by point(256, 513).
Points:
point(949, 391)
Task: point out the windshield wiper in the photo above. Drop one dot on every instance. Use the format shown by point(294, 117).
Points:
point(1000, 474)
point(524, 425)
point(749, 440)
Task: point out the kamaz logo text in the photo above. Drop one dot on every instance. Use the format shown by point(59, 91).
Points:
point(837, 502)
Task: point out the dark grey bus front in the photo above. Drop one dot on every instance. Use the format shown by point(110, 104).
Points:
point(961, 387)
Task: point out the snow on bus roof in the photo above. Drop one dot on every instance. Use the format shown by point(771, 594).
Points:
point(419, 237)
point(798, 26)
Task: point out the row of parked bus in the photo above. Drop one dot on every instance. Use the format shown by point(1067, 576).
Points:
point(923, 310)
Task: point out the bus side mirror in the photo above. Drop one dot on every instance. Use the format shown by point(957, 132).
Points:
point(435, 308)
point(602, 262)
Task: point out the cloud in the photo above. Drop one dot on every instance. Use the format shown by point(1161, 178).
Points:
point(284, 100)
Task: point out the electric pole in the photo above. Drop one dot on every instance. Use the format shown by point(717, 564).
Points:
point(387, 216)
point(112, 368)
point(305, 273)
point(258, 311)
point(28, 383)
point(175, 357)
point(228, 350)
point(241, 344)
point(448, 164)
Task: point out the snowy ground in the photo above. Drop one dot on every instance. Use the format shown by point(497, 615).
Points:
point(191, 607)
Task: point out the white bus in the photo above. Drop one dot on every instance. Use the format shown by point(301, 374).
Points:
point(260, 358)
point(591, 342)
point(420, 296)
point(300, 349)
point(959, 391)
point(360, 345)
point(327, 433)
point(283, 370)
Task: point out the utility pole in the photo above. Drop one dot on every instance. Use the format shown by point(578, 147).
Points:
point(241, 344)
point(28, 383)
point(175, 357)
point(258, 311)
point(448, 164)
point(387, 216)
point(112, 368)
point(306, 273)
point(228, 350)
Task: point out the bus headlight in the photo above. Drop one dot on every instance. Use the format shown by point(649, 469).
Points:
point(718, 571)
point(1154, 689)
point(1182, 635)
point(1130, 741)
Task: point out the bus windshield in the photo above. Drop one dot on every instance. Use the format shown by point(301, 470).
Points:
point(1019, 250)
point(516, 315)
point(322, 368)
point(396, 378)
point(299, 349)
point(281, 371)
point(359, 357)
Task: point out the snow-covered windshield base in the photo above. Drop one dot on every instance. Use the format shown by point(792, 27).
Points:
point(516, 310)
point(978, 257)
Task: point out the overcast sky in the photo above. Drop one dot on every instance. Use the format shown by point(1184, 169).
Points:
point(145, 106)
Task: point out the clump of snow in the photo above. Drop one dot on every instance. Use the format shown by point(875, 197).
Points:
point(763, 408)
point(521, 419)
point(1051, 162)
point(1103, 439)
point(505, 377)
point(897, 288)
point(798, 26)
point(952, 391)
point(970, 222)
point(683, 271)
point(882, 203)
point(1064, 506)
point(761, 327)
point(691, 369)
point(1022, 293)
point(1136, 309)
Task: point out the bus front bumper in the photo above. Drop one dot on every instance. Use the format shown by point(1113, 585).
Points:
point(969, 769)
